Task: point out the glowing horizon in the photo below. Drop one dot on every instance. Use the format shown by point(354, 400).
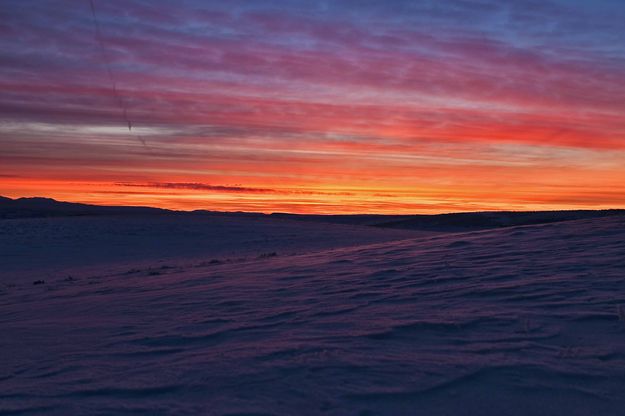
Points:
point(315, 106)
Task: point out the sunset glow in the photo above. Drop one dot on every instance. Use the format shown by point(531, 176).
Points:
point(315, 106)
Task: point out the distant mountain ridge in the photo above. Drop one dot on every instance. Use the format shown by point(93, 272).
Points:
point(38, 207)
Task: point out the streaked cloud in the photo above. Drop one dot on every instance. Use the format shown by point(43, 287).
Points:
point(198, 187)
point(316, 105)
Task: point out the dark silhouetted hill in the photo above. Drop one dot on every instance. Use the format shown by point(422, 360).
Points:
point(466, 221)
point(47, 207)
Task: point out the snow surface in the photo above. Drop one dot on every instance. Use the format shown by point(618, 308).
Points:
point(518, 321)
point(46, 248)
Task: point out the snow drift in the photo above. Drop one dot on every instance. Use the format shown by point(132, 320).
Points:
point(515, 321)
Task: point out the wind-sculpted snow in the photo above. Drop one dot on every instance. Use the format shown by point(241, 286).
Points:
point(519, 321)
point(110, 244)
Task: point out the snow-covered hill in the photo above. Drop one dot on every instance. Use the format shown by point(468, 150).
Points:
point(49, 248)
point(517, 321)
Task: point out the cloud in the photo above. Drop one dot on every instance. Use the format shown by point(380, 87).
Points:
point(198, 187)
point(299, 96)
point(228, 188)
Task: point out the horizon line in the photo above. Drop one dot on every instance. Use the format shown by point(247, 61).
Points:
point(309, 214)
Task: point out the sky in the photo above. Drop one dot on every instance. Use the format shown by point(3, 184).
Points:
point(345, 106)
